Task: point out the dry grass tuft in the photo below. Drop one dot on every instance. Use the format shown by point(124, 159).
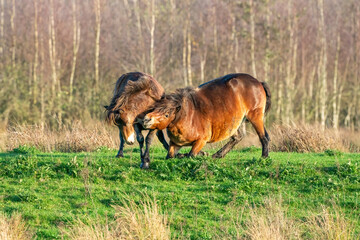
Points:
point(13, 228)
point(330, 225)
point(271, 221)
point(132, 221)
point(74, 138)
point(306, 138)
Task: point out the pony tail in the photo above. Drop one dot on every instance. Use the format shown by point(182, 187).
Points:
point(268, 96)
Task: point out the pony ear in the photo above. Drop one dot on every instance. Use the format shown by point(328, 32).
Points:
point(106, 107)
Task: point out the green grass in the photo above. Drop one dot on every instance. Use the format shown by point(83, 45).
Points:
point(201, 196)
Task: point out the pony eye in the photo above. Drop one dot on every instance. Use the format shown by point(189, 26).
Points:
point(166, 115)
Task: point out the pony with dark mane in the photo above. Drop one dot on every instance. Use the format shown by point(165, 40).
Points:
point(134, 94)
point(212, 112)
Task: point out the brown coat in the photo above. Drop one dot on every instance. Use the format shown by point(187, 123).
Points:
point(212, 112)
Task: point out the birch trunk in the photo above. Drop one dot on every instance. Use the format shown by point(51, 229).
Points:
point(36, 57)
point(152, 31)
point(97, 40)
point(184, 56)
point(252, 37)
point(335, 86)
point(267, 50)
point(323, 72)
point(12, 23)
point(52, 49)
point(2, 29)
point(76, 44)
point(189, 50)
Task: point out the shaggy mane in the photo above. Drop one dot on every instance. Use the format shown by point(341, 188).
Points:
point(174, 100)
point(128, 85)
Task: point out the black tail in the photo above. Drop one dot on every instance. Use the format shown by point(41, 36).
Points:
point(268, 96)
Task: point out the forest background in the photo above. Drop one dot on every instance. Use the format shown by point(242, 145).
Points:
point(61, 59)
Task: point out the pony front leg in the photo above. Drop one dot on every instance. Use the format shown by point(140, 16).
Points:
point(173, 150)
point(145, 160)
point(120, 153)
point(196, 148)
point(140, 139)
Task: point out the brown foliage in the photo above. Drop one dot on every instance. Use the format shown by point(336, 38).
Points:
point(306, 138)
point(74, 138)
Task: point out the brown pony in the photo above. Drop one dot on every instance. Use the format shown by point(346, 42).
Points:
point(134, 93)
point(212, 112)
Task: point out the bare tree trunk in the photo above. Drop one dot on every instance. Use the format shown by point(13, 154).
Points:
point(97, 40)
point(291, 65)
point(36, 58)
point(279, 110)
point(252, 36)
point(356, 28)
point(267, 50)
point(189, 50)
point(184, 55)
point(335, 86)
point(323, 73)
point(152, 31)
point(140, 39)
point(12, 23)
point(76, 44)
point(2, 29)
point(216, 48)
point(52, 49)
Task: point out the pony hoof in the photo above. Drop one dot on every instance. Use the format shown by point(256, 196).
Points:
point(216, 155)
point(180, 155)
point(120, 156)
point(145, 165)
point(204, 154)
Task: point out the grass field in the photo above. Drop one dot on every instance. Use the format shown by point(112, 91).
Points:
point(201, 197)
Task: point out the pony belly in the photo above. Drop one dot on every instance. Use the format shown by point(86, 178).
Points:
point(226, 130)
point(178, 139)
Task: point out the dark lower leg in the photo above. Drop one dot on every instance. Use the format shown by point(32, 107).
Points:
point(235, 139)
point(160, 135)
point(265, 145)
point(145, 161)
point(122, 142)
point(140, 139)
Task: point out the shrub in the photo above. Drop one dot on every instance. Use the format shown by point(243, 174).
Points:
point(305, 138)
point(74, 138)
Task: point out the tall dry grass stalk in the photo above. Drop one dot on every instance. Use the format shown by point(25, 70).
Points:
point(74, 138)
point(13, 228)
point(306, 138)
point(330, 224)
point(132, 221)
point(271, 222)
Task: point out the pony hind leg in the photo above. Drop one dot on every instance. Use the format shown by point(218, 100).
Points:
point(257, 120)
point(235, 139)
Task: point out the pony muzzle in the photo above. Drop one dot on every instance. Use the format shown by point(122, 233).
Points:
point(147, 122)
point(131, 139)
